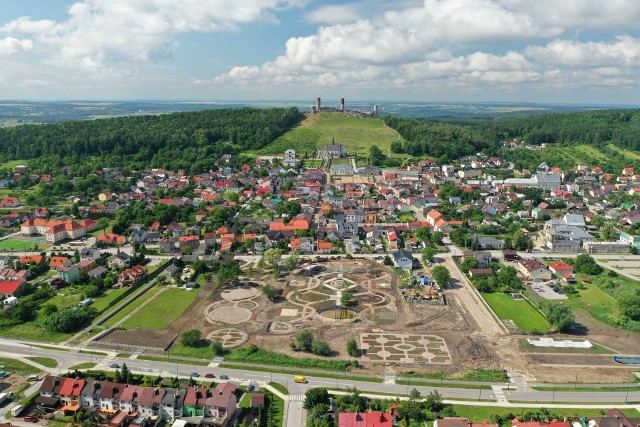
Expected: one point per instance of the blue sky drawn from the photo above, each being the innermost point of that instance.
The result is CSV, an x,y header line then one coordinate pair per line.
x,y
583,51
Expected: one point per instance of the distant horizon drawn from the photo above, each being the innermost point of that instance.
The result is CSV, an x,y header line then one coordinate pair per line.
x,y
312,101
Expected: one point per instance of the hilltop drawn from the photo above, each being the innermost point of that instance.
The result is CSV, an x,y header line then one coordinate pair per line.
x,y
317,130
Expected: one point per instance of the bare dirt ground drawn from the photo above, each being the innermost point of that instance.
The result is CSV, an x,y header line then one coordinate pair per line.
x,y
472,335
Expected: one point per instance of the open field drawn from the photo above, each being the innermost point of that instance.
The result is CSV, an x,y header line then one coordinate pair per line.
x,y
163,310
13,365
521,312
320,129
17,245
33,331
132,306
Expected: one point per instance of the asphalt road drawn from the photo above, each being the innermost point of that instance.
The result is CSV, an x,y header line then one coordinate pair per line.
x,y
70,358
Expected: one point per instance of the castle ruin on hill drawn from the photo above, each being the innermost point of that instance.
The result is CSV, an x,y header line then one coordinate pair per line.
x,y
355,113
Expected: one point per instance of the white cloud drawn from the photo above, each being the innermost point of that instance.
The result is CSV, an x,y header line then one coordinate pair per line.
x,y
334,14
420,44
12,45
624,51
110,34
613,15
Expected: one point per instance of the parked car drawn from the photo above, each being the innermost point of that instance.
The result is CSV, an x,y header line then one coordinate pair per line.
x,y
195,374
209,375
223,377
115,366
31,418
251,387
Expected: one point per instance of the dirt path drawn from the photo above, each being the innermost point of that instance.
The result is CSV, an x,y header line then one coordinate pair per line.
x,y
471,302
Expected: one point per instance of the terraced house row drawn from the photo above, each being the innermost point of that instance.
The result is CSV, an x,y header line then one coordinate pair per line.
x,y
125,404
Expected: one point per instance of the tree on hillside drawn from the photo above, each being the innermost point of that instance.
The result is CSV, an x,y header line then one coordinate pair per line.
x,y
376,156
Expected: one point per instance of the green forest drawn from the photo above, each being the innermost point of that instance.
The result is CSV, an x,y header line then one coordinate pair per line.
x,y
179,140
612,132
193,140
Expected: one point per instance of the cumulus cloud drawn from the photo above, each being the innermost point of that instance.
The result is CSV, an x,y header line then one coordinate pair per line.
x,y
423,43
334,14
12,45
624,51
110,33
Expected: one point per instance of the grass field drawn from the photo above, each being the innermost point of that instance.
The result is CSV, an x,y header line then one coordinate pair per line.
x,y
102,302
521,312
320,129
13,365
478,414
86,365
33,331
17,245
45,361
163,310
624,152
132,306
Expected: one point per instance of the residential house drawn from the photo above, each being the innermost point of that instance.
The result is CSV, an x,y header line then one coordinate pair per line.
x,y
57,262
90,253
402,260
167,245
69,274
484,258
533,270
560,268
86,266
97,273
70,392
132,276
365,419
119,260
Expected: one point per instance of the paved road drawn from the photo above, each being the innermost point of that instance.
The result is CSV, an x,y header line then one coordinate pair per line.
x,y
69,358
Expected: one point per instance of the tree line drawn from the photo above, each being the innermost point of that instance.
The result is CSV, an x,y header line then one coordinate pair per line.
x,y
190,140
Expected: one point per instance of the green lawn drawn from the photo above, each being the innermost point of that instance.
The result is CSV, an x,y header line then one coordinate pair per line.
x,y
406,217
320,129
521,312
13,365
477,414
86,365
163,310
17,245
45,361
131,306
33,331
103,302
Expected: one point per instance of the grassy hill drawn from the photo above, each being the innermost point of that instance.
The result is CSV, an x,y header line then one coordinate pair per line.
x,y
318,130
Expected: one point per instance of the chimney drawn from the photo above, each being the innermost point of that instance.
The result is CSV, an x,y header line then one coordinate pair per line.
x,y
318,104
342,104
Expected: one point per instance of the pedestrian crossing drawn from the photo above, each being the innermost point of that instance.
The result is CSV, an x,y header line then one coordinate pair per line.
x,y
499,394
296,397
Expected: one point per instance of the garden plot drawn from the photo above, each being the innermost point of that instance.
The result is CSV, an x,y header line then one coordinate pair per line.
x,y
401,348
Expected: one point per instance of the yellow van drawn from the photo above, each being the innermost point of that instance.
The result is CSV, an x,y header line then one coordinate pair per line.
x,y
300,379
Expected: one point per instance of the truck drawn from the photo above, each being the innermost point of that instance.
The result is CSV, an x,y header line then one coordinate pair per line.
x,y
3,397
33,377
300,379
17,410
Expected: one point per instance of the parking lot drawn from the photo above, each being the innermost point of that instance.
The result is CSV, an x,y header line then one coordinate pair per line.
x,y
545,291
